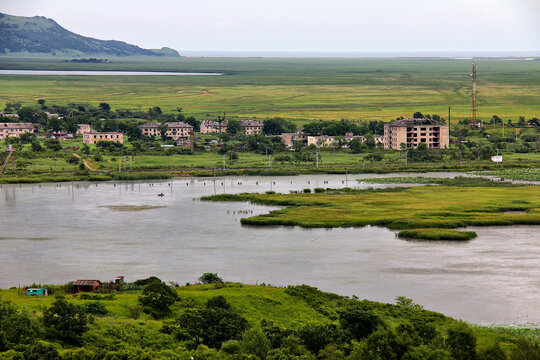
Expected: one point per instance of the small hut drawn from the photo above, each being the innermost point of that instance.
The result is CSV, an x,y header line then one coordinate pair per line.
x,y
86,286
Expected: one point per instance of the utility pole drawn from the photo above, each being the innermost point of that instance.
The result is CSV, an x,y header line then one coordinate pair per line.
x,y
317,159
503,128
270,161
474,108
130,163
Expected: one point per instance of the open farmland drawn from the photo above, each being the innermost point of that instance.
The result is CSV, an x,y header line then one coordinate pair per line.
x,y
297,89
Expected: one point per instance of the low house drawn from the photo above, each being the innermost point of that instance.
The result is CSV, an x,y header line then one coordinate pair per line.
x,y
15,129
83,128
94,137
16,116
213,127
319,141
290,138
51,115
86,286
37,292
119,279
175,130
379,139
251,127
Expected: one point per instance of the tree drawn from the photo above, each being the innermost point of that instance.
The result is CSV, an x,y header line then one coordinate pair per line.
x,y
214,324
193,122
277,126
255,342
36,146
163,128
418,115
154,111
52,144
64,321
317,337
55,124
105,106
233,126
492,352
42,351
210,278
12,107
358,322
406,302
461,342
156,299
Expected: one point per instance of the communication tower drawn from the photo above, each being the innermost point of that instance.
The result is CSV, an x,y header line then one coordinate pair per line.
x,y
474,109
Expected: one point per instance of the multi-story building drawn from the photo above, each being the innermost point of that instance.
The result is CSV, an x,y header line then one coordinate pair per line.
x,y
15,129
94,137
412,132
212,127
83,128
175,130
251,127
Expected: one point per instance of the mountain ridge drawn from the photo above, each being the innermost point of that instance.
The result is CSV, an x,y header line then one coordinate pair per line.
x,y
41,36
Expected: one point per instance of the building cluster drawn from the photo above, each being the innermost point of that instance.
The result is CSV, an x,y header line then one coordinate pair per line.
x,y
412,132
324,140
249,127
175,130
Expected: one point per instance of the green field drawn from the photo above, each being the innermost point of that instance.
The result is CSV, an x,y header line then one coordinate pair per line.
x,y
298,89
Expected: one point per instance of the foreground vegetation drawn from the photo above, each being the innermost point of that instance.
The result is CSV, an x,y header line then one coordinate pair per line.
x,y
460,202
149,319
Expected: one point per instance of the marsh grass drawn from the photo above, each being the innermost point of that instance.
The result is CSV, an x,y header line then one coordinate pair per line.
x,y
437,234
132,207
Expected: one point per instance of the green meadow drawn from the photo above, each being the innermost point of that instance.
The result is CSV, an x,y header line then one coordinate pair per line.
x,y
297,89
461,203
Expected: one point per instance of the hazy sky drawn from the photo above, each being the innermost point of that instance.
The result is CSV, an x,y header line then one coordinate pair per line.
x,y
300,25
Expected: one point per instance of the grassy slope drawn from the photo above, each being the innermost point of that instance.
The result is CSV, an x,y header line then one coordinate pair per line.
x,y
300,89
287,309
418,207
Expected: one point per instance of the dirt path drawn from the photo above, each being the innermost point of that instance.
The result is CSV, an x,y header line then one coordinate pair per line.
x,y
85,162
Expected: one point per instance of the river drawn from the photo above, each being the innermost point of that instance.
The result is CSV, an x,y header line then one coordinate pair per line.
x,y
55,233
100,73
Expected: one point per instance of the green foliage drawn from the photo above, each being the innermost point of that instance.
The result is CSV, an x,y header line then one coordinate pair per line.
x,y
156,299
210,278
216,323
526,350
461,342
95,308
65,321
358,322
255,342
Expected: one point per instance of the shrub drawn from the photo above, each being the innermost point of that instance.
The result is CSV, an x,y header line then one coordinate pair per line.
x,y
210,278
65,321
95,308
319,190
358,322
156,299
307,191
461,342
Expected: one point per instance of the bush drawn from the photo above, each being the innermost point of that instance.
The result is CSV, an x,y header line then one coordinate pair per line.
x,y
72,159
461,342
65,321
307,191
156,299
210,278
95,308
358,322
319,190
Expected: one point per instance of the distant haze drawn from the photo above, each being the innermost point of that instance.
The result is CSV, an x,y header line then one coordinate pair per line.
x,y
300,26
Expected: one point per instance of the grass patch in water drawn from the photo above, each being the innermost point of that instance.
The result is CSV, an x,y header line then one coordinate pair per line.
x,y
436,234
132,207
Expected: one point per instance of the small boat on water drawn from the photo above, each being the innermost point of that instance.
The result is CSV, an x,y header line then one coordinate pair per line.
x,y
161,194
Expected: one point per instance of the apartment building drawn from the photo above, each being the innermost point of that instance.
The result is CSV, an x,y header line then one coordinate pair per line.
x,y
412,132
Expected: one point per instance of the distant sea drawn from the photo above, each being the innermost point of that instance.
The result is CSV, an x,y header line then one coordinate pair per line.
x,y
358,54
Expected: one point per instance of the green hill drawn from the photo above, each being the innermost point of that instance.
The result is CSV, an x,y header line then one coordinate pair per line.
x,y
40,36
236,321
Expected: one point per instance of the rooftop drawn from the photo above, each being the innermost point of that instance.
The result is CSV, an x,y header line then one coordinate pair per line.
x,y
16,126
416,122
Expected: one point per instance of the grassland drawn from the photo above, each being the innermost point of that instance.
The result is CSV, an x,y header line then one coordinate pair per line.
x,y
297,89
441,207
120,332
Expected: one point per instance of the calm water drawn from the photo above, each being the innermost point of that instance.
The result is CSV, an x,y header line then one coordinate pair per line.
x,y
54,233
100,73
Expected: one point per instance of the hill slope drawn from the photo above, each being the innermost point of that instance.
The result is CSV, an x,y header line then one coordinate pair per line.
x,y
42,36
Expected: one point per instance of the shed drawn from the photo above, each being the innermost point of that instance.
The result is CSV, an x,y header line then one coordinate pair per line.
x,y
86,285
37,292
119,280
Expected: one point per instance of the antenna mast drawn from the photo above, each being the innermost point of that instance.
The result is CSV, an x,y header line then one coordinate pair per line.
x,y
474,105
